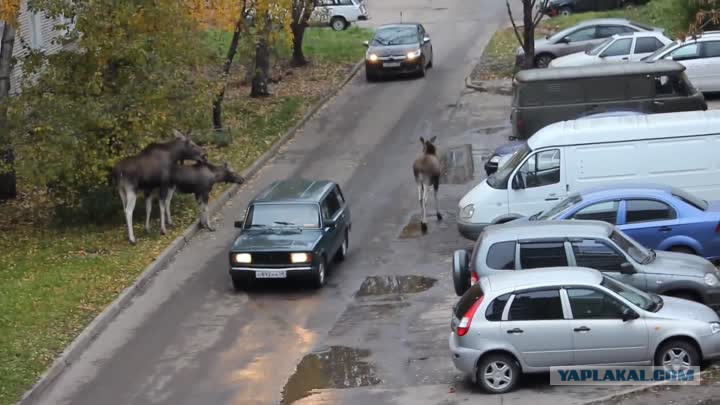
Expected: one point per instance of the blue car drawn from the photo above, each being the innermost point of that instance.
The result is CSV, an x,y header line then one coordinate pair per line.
x,y
658,216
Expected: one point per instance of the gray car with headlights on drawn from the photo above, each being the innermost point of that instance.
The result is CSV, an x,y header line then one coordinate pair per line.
x,y
398,49
525,322
521,245
292,229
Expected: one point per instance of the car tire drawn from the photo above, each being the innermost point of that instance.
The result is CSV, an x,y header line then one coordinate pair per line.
x,y
320,274
677,353
432,59
500,367
423,67
565,11
370,77
344,248
242,283
338,24
682,249
543,60
686,295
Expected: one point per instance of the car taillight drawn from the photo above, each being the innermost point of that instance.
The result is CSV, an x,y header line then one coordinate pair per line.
x,y
464,325
473,278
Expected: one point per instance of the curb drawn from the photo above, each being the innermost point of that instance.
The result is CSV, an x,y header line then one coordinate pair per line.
x,y
639,389
88,335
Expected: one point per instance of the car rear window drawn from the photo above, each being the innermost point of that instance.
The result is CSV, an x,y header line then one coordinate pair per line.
x,y
501,256
643,26
467,300
495,309
702,205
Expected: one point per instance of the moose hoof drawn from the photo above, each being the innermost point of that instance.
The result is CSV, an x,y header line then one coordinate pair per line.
x,y
423,227
132,241
163,231
439,217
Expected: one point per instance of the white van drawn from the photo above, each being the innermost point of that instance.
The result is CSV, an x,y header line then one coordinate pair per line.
x,y
679,149
338,14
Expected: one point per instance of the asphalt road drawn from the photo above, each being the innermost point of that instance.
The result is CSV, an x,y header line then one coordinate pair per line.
x,y
189,339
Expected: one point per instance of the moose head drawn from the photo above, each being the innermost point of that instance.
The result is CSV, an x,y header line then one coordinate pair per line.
x,y
225,174
186,149
428,145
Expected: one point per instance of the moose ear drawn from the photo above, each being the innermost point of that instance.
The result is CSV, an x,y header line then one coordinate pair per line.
x,y
422,140
178,134
432,140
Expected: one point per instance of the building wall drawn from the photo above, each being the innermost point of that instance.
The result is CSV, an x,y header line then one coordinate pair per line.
x,y
35,31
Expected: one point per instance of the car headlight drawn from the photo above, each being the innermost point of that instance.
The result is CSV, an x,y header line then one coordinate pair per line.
x,y
495,159
243,258
715,327
299,257
414,54
372,57
711,280
467,211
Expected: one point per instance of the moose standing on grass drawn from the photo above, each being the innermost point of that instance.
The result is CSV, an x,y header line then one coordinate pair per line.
x,y
427,170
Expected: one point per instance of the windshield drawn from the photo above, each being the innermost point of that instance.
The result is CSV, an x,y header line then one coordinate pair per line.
x,y
560,34
396,36
655,54
597,49
632,294
702,205
500,178
560,207
637,252
305,216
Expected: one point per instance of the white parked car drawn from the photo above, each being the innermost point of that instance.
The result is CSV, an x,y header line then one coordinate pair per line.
x,y
618,48
700,56
338,13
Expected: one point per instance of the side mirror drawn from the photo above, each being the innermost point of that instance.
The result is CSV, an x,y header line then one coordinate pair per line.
x,y
563,41
628,315
239,224
366,43
460,272
426,40
516,183
627,268
329,223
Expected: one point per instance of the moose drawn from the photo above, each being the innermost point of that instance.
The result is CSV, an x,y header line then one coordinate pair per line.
x,y
199,179
150,170
427,170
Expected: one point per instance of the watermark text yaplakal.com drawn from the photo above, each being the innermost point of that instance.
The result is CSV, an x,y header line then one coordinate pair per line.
x,y
623,376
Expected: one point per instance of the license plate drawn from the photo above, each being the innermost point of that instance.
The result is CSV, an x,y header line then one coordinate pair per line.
x,y
270,274
391,64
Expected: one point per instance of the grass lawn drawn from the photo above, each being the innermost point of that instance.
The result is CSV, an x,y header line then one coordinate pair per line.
x,y
498,59
55,280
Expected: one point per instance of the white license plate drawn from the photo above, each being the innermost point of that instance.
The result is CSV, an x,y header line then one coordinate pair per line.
x,y
391,64
270,274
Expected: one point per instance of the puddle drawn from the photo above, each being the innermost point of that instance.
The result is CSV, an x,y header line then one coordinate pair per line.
x,y
386,285
412,229
337,367
457,165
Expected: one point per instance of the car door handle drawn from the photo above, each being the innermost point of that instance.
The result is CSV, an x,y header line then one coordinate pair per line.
x,y
514,331
625,58
552,198
664,229
582,329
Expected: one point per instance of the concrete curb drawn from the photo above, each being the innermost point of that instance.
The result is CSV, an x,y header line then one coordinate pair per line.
x,y
86,337
634,390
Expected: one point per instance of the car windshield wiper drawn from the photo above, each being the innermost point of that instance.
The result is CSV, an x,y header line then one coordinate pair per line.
x,y
284,223
535,216
651,257
258,226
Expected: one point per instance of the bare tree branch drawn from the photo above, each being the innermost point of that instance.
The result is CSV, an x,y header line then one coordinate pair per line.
x,y
512,21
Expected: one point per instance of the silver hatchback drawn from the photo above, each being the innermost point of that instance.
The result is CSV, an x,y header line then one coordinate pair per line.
x,y
525,322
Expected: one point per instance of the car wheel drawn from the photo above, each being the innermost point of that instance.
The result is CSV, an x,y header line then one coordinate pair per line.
x,y
565,11
338,24
318,280
423,67
497,373
432,59
543,60
371,77
242,283
343,251
682,249
677,355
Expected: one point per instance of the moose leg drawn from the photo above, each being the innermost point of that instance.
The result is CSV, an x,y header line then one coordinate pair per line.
x,y
169,197
206,214
148,210
423,203
163,199
129,208
123,197
436,185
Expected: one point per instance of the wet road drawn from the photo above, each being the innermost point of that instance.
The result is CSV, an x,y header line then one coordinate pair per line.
x,y
189,339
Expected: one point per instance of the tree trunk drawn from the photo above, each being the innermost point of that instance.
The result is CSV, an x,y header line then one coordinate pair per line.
x,y
528,35
262,63
298,57
8,186
217,103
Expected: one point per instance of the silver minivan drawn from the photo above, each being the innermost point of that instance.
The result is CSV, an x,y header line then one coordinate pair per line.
x,y
525,322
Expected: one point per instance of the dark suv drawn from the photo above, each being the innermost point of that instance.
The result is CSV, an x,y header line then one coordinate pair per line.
x,y
292,229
